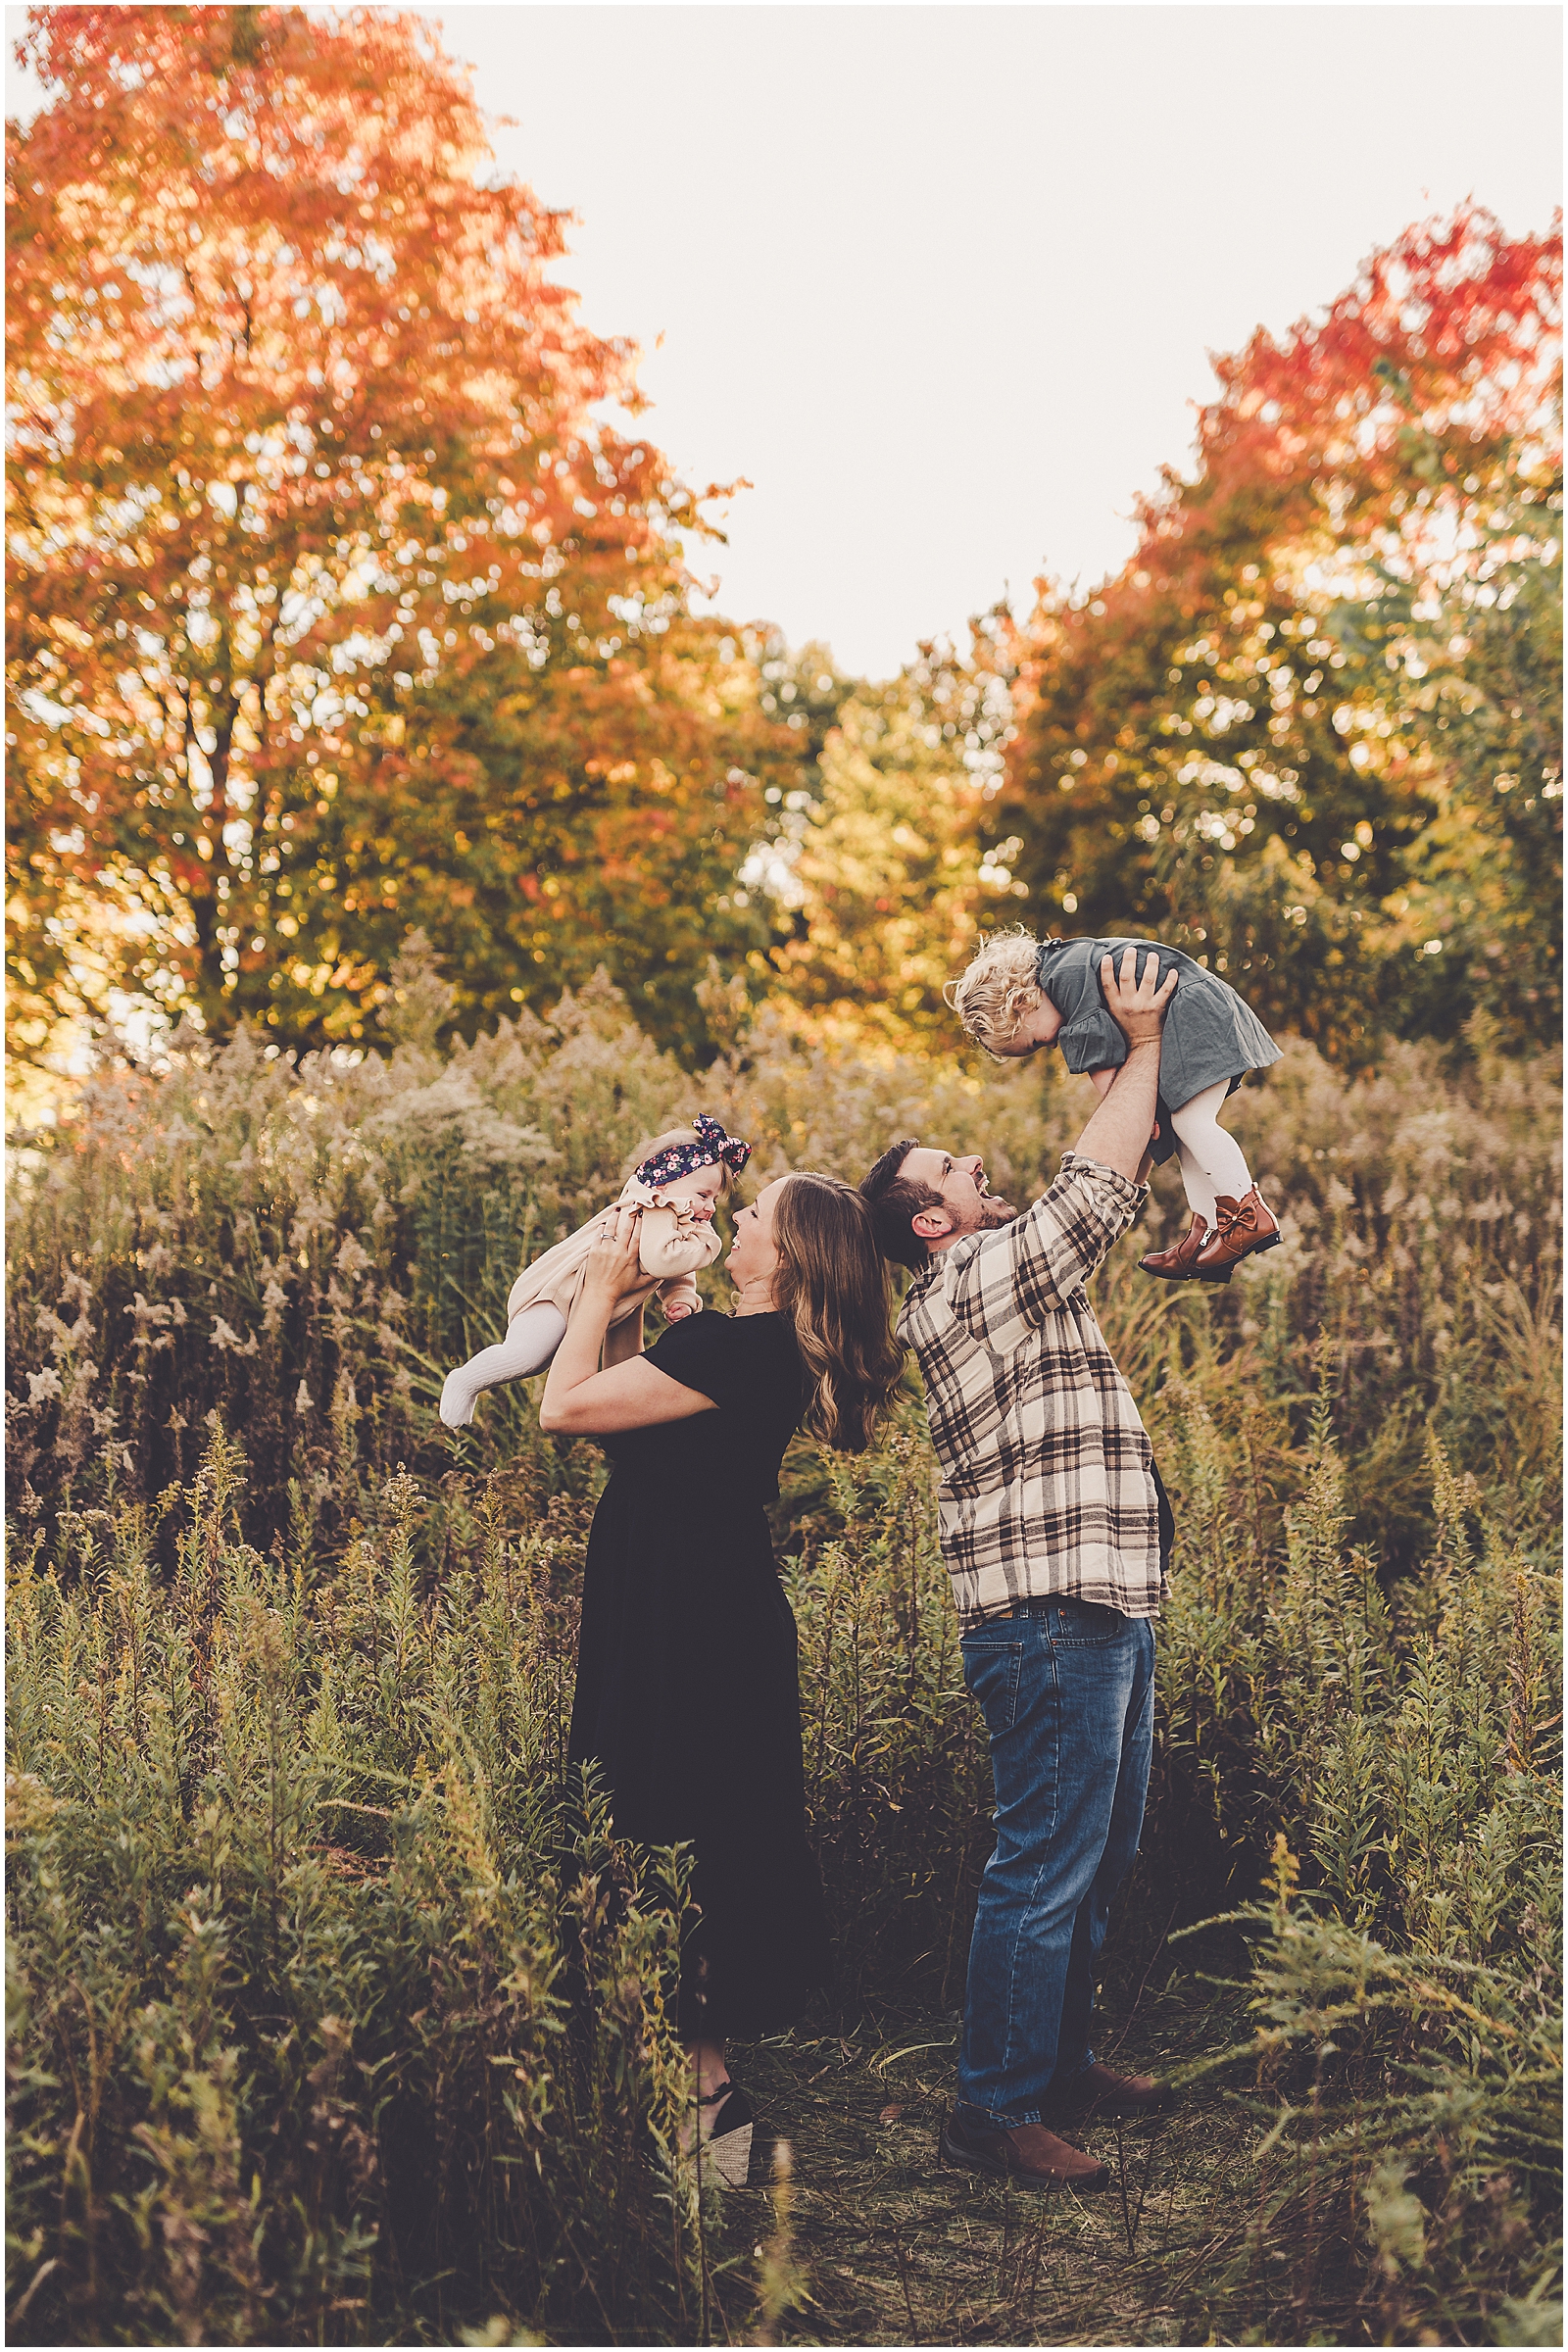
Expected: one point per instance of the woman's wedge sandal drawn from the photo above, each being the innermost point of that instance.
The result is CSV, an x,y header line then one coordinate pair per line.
x,y
724,2149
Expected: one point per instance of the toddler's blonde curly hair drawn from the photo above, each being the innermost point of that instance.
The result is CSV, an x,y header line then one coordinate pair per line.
x,y
992,994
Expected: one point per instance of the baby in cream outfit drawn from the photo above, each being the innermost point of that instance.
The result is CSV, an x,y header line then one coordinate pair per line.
x,y
675,1185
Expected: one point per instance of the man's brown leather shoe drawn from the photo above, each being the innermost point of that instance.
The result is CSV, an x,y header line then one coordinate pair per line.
x,y
1098,2092
1029,2156
1241,1229
1175,1264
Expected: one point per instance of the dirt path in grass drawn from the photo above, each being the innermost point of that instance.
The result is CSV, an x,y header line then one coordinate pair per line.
x,y
894,2247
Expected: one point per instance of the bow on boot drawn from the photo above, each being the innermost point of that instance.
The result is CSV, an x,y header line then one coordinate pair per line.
x,y
1241,1228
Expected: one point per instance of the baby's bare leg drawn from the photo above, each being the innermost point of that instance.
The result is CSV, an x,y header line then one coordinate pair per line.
x,y
532,1340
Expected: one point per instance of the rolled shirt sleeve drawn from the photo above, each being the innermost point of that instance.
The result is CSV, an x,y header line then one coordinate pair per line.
x,y
1000,1285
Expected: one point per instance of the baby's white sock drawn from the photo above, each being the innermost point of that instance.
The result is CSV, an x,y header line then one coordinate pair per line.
x,y
1212,1162
532,1340
1195,1185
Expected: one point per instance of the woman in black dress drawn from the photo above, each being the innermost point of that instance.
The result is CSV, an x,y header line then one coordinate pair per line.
x,y
688,1694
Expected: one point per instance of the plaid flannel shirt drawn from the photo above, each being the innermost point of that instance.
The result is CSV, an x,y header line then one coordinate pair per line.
x,y
1046,1481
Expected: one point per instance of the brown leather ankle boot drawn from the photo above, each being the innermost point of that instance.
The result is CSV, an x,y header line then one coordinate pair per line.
x,y
1175,1264
1026,2155
1098,2092
1241,1229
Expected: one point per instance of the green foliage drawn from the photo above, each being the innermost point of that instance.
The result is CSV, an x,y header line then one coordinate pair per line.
x,y
306,1246
1467,666
1413,2150
320,2007
1409,2000
876,861
330,2020
897,1770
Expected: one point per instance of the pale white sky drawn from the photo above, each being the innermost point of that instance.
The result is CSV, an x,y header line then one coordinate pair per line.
x,y
941,281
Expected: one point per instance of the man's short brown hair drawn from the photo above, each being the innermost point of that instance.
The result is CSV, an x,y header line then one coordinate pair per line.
x,y
895,1200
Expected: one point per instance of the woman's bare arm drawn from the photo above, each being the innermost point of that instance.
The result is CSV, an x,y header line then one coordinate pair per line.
x,y
581,1401
634,1396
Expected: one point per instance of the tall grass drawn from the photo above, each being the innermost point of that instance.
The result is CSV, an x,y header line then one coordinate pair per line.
x,y
1402,1747
331,2018
322,2012
305,1249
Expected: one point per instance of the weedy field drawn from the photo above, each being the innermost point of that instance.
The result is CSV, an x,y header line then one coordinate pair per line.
x,y
335,2017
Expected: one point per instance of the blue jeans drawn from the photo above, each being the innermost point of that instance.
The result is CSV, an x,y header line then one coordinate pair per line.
x,y
1067,1689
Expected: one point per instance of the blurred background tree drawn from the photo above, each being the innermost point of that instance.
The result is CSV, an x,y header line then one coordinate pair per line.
x,y
337,609
1326,686
334,605
876,856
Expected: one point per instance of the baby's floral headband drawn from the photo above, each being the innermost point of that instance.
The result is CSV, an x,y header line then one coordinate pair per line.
x,y
712,1148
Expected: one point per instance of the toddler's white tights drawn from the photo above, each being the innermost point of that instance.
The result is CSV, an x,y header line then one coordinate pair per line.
x,y
1211,1162
532,1340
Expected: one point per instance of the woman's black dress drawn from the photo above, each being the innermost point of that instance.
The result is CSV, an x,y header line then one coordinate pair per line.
x,y
688,1689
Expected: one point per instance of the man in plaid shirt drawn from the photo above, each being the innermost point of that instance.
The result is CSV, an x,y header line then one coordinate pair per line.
x,y
1052,1526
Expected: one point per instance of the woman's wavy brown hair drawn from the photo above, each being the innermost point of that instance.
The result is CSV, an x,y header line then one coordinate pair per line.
x,y
833,1286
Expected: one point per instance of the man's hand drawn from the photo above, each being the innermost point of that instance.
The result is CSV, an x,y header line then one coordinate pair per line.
x,y
1138,1008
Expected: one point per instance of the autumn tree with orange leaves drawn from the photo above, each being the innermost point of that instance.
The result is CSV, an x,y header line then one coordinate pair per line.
x,y
1314,729
335,610
332,609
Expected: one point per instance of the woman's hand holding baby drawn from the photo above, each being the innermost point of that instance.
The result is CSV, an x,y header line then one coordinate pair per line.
x,y
613,1273
613,1270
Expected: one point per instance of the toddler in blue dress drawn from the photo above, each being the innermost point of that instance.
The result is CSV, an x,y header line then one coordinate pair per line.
x,y
1020,994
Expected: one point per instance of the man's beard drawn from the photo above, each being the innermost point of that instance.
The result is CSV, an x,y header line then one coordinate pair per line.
x,y
992,1213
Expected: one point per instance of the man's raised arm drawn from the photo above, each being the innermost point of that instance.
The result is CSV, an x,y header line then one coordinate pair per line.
x,y
1117,1135
1032,1267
